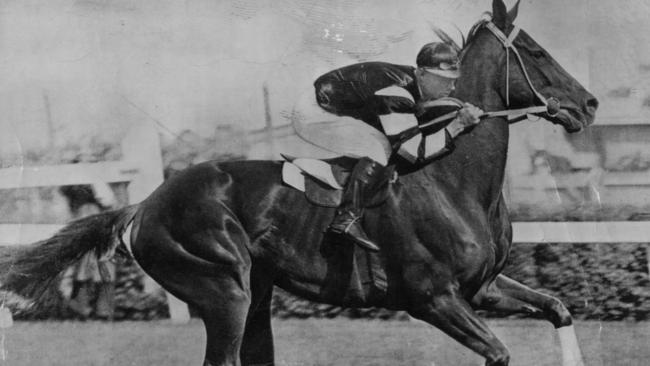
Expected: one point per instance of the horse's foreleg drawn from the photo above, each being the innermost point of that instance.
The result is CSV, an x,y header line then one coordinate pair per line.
x,y
454,316
508,295
257,347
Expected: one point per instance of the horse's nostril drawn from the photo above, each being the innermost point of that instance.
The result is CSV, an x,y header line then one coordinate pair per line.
x,y
592,103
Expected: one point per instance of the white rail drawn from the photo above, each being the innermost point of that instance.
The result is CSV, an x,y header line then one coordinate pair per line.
x,y
523,232
582,232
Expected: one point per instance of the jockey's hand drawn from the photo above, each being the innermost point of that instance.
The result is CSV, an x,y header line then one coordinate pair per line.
x,y
467,117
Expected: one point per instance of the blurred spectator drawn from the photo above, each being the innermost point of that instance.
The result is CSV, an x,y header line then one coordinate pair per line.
x,y
92,290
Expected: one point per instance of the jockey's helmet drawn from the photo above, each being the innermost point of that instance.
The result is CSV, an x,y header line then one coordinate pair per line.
x,y
439,58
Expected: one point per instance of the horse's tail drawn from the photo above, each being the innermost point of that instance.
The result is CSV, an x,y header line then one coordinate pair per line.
x,y
29,270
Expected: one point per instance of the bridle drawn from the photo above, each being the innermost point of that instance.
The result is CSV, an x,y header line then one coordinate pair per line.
x,y
550,106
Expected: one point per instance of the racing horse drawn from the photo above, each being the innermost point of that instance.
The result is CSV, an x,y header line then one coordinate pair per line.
x,y
220,235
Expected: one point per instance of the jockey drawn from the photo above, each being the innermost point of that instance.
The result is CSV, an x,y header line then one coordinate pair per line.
x,y
352,91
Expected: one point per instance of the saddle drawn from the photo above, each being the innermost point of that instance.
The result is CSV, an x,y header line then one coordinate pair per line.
x,y
323,180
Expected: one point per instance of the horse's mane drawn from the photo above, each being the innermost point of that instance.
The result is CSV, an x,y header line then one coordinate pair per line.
x,y
466,40
487,17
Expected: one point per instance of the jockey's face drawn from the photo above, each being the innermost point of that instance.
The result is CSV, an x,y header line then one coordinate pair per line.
x,y
434,86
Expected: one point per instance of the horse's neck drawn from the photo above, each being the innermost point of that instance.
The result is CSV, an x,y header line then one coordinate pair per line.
x,y
480,156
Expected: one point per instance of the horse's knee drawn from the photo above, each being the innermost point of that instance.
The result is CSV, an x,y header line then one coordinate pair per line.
x,y
486,297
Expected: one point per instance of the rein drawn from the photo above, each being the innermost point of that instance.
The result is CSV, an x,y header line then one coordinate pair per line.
x,y
550,106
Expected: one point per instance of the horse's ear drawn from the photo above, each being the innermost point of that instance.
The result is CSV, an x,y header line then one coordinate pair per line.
x,y
512,14
499,14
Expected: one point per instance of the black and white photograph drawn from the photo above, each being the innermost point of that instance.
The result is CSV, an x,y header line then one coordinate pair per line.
x,y
324,182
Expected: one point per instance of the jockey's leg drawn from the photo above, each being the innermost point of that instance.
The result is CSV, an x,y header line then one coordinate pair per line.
x,y
365,177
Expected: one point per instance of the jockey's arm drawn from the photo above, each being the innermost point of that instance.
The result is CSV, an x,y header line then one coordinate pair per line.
x,y
370,88
438,146
387,104
442,144
454,129
349,98
395,99
468,116
419,147
438,141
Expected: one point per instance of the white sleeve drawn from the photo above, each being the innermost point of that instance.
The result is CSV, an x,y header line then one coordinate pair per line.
x,y
395,123
409,148
435,143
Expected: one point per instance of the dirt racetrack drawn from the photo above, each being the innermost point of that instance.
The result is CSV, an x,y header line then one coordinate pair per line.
x,y
316,342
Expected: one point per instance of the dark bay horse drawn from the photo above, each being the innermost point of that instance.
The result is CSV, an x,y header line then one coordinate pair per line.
x,y
220,235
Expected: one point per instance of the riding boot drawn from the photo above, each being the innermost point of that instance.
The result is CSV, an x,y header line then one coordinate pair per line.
x,y
365,176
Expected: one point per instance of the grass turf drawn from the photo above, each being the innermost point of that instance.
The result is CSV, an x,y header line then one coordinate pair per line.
x,y
316,342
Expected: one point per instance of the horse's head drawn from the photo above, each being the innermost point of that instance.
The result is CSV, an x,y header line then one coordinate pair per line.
x,y
524,74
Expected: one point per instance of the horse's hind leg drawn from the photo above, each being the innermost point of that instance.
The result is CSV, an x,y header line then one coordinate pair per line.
x,y
207,267
453,315
508,295
257,347
222,305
